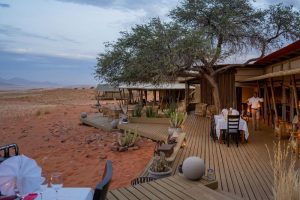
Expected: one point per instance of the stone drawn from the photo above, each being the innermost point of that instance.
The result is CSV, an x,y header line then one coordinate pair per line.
x,y
114,148
135,147
114,123
121,149
193,168
83,115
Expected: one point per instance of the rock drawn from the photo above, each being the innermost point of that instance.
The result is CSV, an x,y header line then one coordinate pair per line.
x,y
130,148
123,149
114,148
114,123
103,156
83,115
135,147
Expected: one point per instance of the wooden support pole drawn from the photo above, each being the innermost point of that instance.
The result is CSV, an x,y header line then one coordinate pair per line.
x,y
270,116
292,104
265,101
273,100
295,95
283,102
146,96
186,96
154,96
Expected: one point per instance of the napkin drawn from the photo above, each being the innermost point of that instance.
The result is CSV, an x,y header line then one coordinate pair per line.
x,y
19,172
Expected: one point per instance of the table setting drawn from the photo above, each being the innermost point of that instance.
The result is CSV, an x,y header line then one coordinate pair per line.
x,y
221,122
21,178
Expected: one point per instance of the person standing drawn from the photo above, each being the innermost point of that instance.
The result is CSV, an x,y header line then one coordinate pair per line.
x,y
255,108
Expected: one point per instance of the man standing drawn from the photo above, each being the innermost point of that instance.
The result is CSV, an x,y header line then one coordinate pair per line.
x,y
255,106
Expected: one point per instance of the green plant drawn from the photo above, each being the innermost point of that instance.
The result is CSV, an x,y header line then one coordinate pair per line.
x,y
171,109
128,139
159,163
177,119
150,112
137,111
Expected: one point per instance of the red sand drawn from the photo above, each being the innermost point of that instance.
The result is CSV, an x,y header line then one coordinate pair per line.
x,y
45,124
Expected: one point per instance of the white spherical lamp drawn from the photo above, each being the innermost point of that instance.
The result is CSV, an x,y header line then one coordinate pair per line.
x,y
193,168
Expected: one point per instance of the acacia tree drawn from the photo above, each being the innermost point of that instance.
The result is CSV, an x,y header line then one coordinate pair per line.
x,y
202,34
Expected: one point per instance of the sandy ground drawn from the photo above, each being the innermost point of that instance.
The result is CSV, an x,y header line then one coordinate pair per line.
x,y
45,124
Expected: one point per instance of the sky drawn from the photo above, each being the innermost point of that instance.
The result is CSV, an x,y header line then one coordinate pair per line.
x,y
59,40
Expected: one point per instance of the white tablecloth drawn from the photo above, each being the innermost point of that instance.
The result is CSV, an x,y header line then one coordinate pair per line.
x,y
68,194
222,124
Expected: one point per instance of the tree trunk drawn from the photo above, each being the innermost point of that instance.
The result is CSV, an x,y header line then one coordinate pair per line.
x,y
215,91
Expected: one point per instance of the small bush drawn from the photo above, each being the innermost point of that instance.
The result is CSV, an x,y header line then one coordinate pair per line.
x,y
137,111
150,112
38,113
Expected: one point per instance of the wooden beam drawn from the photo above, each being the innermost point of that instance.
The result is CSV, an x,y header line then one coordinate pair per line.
x,y
154,96
186,95
273,100
295,95
265,101
283,102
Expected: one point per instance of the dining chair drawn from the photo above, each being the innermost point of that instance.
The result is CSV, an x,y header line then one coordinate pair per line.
x,y
142,179
233,122
102,187
6,151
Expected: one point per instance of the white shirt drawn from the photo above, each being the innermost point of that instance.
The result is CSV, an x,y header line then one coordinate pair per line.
x,y
254,102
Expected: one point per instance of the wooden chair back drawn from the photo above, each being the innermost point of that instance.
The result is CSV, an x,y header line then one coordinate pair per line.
x,y
6,149
102,187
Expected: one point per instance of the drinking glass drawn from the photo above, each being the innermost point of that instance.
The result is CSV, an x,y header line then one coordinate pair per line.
x,y
56,182
44,184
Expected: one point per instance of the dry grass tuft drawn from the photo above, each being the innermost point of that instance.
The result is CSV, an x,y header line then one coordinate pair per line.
x,y
286,177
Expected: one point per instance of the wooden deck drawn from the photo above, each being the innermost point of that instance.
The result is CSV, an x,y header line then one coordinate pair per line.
x,y
97,120
156,132
242,171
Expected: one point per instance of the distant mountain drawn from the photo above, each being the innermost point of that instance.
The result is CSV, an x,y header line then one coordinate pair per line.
x,y
20,83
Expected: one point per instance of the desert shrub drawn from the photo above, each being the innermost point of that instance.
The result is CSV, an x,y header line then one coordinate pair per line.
x,y
150,112
286,177
137,110
38,113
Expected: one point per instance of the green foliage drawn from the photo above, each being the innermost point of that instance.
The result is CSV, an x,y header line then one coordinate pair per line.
x,y
159,163
176,119
201,31
150,112
137,110
171,109
128,139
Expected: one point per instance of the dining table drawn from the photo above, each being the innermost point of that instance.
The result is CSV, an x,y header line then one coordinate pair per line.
x,y
221,124
68,193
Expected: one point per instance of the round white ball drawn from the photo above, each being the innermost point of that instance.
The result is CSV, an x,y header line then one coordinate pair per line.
x,y
193,168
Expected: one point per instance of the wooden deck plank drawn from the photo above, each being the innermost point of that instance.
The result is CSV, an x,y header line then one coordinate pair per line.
x,y
147,193
119,195
110,196
242,171
128,194
137,193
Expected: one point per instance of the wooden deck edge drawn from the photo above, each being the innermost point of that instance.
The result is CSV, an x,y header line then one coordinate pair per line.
x,y
180,140
147,120
102,127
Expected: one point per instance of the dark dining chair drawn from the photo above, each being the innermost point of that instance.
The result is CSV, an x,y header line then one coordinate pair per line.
x,y
142,179
233,131
102,187
6,151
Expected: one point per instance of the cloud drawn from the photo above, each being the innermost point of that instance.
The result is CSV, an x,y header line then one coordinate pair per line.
x,y
11,31
152,8
4,5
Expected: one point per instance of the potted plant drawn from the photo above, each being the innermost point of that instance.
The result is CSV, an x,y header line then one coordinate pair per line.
x,y
176,121
159,167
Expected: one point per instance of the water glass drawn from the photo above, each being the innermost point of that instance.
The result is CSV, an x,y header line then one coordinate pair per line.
x,y
211,174
56,182
44,184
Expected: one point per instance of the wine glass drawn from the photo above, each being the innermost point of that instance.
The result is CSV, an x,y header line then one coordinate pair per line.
x,y
44,184
56,182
